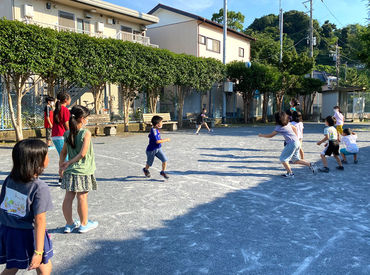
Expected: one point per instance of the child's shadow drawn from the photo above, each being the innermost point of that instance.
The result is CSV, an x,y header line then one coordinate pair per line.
x,y
58,230
140,178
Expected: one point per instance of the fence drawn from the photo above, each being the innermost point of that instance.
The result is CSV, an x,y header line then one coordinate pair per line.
x,y
32,108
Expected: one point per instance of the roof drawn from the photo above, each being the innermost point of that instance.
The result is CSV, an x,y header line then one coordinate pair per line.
x,y
196,17
151,19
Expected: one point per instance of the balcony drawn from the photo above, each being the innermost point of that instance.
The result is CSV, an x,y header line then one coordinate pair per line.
x,y
121,35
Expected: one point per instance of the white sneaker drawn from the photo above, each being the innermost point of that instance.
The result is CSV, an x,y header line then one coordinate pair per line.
x,y
288,176
313,168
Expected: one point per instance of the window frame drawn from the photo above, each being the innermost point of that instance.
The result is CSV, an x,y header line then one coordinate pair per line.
x,y
241,55
213,40
200,37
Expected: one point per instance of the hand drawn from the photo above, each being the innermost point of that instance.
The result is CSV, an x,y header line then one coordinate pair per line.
x,y
64,165
260,135
318,143
51,125
167,139
35,262
325,144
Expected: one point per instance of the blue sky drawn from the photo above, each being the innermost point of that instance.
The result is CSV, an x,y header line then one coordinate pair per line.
x,y
346,11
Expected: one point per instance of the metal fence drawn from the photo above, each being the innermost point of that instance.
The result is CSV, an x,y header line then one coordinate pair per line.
x,y
32,108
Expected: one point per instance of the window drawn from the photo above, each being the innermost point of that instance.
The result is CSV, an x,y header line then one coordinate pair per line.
x,y
213,45
126,29
83,26
66,20
202,39
241,52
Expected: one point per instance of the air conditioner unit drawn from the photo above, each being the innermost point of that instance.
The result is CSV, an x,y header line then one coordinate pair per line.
x,y
88,15
100,27
28,11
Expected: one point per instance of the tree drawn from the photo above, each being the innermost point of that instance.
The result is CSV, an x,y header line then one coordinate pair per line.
x,y
160,68
235,20
308,89
25,52
364,54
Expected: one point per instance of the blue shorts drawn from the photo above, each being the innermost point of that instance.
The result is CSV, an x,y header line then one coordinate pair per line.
x,y
345,152
155,153
59,143
17,247
290,152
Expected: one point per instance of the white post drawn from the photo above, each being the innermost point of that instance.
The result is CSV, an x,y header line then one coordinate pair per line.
x,y
224,61
281,27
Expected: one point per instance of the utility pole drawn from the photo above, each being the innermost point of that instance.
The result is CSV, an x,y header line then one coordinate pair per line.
x,y
224,61
311,33
281,26
337,63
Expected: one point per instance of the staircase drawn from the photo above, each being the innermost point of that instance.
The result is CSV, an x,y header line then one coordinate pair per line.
x,y
76,93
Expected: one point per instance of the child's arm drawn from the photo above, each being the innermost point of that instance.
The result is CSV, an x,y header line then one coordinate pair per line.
x,y
40,226
81,154
62,158
274,133
162,140
51,124
323,140
295,130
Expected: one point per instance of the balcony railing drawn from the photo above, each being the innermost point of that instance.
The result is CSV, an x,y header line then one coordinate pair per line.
x,y
125,36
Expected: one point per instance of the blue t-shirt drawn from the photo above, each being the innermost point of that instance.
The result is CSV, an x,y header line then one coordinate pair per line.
x,y
287,132
21,202
154,135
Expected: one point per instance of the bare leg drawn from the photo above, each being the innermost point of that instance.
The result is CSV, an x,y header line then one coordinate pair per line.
x,y
338,160
302,162
67,206
287,167
205,124
10,271
301,153
82,207
324,161
164,165
355,157
147,167
343,157
45,269
200,126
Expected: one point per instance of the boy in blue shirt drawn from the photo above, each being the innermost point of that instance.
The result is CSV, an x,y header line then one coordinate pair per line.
x,y
154,147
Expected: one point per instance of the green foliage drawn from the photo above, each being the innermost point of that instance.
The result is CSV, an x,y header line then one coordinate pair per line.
x,y
235,20
364,41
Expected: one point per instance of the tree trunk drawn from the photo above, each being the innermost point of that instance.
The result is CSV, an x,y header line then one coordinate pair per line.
x,y
180,100
153,100
265,103
16,120
51,84
279,100
247,101
127,99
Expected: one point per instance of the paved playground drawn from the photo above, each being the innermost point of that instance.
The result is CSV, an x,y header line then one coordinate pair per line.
x,y
224,210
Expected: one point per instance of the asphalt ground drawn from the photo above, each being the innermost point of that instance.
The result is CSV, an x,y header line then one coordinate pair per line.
x,y
224,210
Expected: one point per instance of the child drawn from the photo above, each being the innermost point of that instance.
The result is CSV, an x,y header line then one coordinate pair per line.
x,y
294,103
25,199
339,120
48,118
201,120
297,122
154,148
61,120
332,147
291,150
349,139
78,171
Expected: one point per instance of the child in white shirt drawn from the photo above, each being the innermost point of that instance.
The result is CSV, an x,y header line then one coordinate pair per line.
x,y
349,140
297,122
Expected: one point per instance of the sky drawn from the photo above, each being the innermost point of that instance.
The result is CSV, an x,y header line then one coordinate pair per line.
x,y
345,11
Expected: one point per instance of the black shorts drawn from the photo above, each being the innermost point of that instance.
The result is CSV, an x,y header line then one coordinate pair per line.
x,y
332,148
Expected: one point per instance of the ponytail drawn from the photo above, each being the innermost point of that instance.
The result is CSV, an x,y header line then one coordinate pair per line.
x,y
62,97
77,113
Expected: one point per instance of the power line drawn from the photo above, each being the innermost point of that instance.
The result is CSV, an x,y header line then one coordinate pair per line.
x,y
331,13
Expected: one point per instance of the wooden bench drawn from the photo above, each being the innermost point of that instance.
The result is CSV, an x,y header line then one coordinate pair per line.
x,y
147,119
110,129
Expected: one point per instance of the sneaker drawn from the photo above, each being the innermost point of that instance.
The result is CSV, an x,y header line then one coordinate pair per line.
x,y
355,161
324,169
288,176
313,168
344,161
89,226
146,173
60,181
163,174
340,167
70,227
197,134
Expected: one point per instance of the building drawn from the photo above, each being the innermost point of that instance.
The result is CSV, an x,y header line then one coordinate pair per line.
x,y
183,32
94,17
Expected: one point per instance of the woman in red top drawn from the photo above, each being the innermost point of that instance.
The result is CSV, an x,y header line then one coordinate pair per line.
x,y
61,120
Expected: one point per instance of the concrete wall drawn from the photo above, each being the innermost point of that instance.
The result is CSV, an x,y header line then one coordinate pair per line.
x,y
6,9
179,38
329,100
233,43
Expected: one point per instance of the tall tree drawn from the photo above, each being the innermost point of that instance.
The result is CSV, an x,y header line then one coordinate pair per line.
x,y
235,20
25,52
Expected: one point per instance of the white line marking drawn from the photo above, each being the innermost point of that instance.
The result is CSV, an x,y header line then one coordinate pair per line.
x,y
307,262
